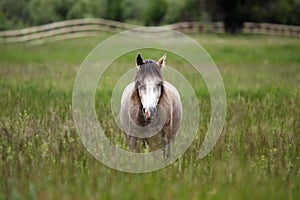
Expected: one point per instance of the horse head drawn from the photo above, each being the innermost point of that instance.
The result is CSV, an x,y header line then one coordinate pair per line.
x,y
149,84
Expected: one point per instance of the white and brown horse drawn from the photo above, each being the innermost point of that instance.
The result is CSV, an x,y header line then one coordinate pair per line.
x,y
151,109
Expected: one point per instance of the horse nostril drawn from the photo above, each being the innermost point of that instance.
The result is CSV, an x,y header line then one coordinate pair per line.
x,y
152,110
155,109
144,110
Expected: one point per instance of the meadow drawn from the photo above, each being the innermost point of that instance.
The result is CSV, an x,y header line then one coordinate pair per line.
x,y
256,157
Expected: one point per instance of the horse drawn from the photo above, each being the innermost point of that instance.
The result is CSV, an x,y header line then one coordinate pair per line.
x,y
151,109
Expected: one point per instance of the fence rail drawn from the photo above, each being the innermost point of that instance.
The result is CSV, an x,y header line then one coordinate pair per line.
x,y
87,27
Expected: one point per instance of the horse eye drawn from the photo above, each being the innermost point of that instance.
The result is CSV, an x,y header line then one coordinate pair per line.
x,y
137,84
141,87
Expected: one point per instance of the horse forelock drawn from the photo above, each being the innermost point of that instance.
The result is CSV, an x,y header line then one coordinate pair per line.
x,y
148,69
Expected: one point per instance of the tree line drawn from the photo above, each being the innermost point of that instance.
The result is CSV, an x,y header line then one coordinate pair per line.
x,y
23,13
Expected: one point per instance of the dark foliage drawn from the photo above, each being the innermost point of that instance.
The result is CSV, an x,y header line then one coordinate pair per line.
x,y
23,13
155,12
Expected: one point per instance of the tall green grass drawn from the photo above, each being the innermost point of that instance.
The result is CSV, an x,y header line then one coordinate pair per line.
x,y
257,156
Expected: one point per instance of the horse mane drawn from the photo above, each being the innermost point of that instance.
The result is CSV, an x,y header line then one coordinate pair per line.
x,y
135,109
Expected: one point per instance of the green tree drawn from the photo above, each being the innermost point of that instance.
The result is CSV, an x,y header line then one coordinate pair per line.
x,y
43,11
87,8
134,10
14,13
155,12
283,11
234,13
115,10
192,11
294,16
62,7
175,11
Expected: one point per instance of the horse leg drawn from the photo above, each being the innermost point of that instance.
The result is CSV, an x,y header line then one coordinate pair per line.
x,y
154,142
168,138
132,142
166,147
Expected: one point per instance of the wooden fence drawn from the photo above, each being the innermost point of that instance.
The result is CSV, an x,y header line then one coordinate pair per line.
x,y
91,27
271,29
248,27
63,30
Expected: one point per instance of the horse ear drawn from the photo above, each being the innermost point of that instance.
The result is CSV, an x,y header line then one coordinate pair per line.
x,y
161,62
139,60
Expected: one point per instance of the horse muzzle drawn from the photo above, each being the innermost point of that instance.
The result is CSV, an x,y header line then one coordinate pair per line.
x,y
149,113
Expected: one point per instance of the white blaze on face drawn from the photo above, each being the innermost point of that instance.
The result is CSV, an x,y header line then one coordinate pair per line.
x,y
149,94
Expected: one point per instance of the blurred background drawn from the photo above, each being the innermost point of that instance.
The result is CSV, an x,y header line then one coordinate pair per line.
x,y
258,153
25,13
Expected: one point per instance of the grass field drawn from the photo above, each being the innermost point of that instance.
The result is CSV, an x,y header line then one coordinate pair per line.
x,y
257,156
